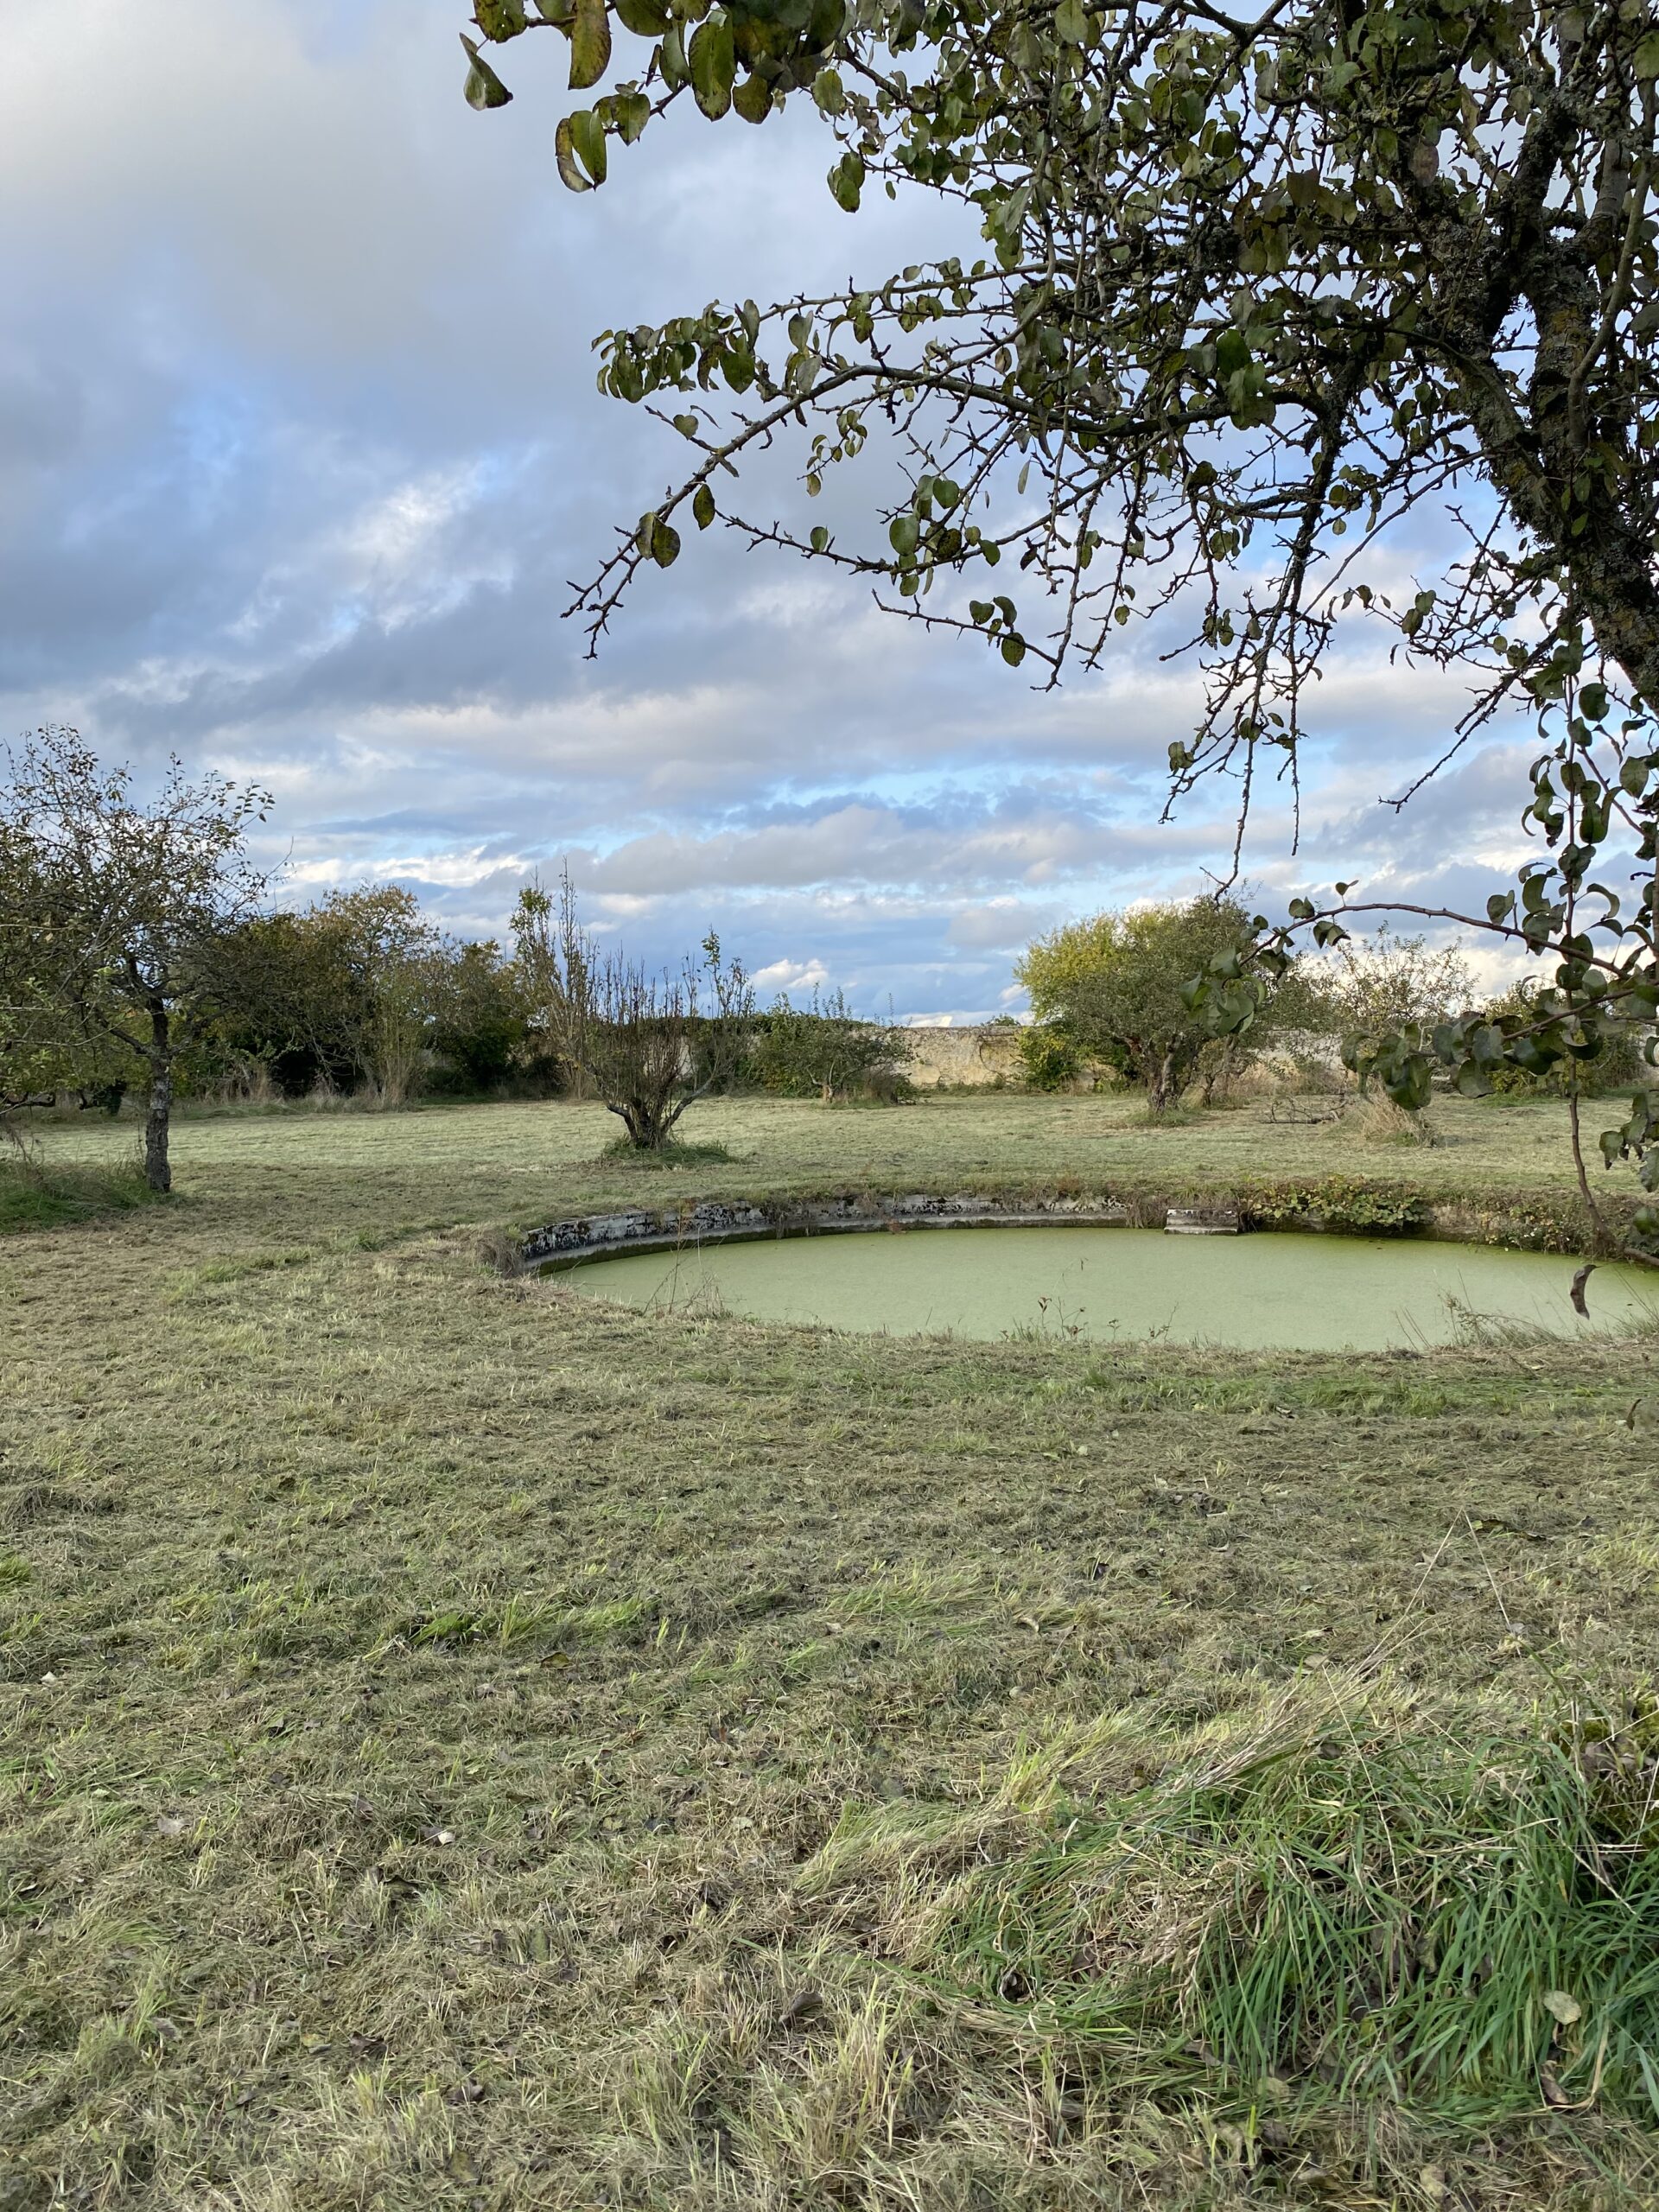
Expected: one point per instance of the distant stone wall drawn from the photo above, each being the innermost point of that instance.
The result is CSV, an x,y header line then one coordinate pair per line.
x,y
945,1059
988,1052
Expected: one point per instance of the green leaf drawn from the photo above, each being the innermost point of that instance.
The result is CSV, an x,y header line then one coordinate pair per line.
x,y
828,92
820,538
483,88
664,543
1014,651
500,19
564,154
847,183
676,70
753,100
713,61
626,114
590,44
1071,23
981,610
643,17
1232,353
1647,56
902,533
687,425
703,507
1410,1083
587,136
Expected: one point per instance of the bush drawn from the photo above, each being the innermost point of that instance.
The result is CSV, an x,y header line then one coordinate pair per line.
x,y
1050,1057
823,1051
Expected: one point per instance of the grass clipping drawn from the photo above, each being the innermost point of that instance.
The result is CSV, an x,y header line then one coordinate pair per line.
x,y
1341,1908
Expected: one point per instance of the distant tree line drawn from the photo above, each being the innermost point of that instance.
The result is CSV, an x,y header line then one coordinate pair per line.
x,y
142,954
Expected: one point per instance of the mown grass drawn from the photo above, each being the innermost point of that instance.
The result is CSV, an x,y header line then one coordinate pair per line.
x,y
469,1744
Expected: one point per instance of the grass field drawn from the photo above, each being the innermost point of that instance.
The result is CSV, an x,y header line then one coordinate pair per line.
x,y
470,1745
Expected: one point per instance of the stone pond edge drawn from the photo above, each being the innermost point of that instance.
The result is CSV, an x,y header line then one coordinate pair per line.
x,y
1340,1205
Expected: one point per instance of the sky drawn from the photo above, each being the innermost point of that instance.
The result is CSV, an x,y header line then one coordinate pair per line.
x,y
300,449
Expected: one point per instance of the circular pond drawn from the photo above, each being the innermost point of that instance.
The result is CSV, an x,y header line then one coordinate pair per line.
x,y
1290,1293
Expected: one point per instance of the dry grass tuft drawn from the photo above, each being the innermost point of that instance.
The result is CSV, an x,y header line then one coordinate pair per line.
x,y
1376,1120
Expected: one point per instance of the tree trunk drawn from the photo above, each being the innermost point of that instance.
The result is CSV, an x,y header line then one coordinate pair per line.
x,y
1220,1072
158,1171
643,1119
1161,1089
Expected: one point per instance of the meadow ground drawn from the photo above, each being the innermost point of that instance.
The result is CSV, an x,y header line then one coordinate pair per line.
x,y
467,1744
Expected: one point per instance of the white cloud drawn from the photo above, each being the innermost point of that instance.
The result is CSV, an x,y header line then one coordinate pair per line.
x,y
800,976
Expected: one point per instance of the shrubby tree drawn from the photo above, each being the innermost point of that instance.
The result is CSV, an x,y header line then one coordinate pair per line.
x,y
647,1045
394,958
1260,287
1376,984
1049,1056
1118,987
292,1007
122,908
42,1048
551,952
1369,991
822,1050
1620,1064
480,1030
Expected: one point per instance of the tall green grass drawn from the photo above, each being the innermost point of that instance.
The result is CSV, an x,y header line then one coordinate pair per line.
x,y
1471,1929
33,1196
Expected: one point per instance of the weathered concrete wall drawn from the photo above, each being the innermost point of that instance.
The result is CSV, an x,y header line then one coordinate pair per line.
x,y
564,1243
968,1057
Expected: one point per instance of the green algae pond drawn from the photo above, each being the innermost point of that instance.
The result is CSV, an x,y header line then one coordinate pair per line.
x,y
1295,1292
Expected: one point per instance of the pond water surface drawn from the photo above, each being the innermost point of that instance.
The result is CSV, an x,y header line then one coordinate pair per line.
x,y
1298,1292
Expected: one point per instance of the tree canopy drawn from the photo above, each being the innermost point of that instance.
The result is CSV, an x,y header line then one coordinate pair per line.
x,y
1260,287
1119,986
1253,280
114,911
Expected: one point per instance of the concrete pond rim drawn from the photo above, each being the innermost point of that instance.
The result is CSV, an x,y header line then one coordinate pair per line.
x,y
580,1239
